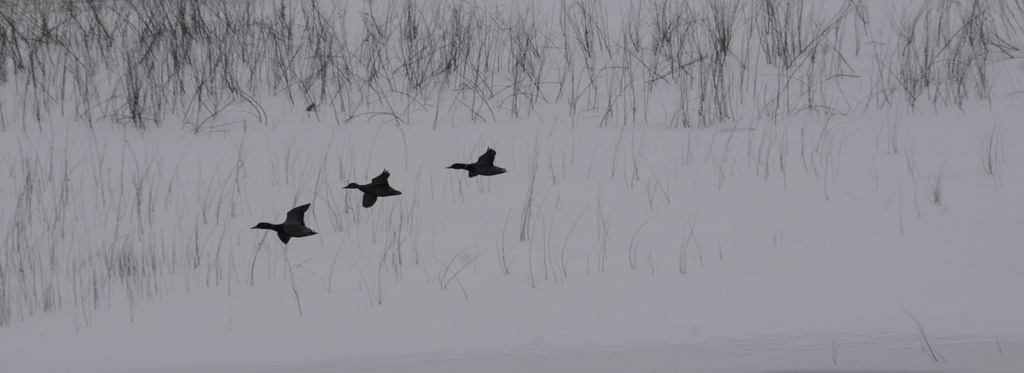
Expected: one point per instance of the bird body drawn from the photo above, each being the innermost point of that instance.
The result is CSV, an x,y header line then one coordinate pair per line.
x,y
378,187
483,166
294,225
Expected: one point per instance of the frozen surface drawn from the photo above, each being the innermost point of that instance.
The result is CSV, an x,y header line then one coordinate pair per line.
x,y
803,243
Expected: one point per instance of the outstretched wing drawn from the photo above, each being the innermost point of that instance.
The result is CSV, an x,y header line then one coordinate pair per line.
x,y
487,159
284,237
369,200
382,178
297,216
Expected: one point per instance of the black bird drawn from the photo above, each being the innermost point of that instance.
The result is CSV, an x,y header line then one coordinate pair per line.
x,y
294,225
483,166
378,187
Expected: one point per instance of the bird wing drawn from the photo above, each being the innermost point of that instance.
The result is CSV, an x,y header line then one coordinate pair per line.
x,y
382,178
284,237
297,216
487,159
369,200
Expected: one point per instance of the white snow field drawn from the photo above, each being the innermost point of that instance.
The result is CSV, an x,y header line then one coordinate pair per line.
x,y
692,187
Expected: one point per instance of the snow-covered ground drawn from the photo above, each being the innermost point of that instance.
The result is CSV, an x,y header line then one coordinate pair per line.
x,y
870,236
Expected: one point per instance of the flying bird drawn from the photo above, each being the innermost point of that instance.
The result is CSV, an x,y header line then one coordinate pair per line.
x,y
378,187
483,166
294,225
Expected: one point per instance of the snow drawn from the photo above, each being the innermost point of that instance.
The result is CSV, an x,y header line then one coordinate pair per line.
x,y
801,244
